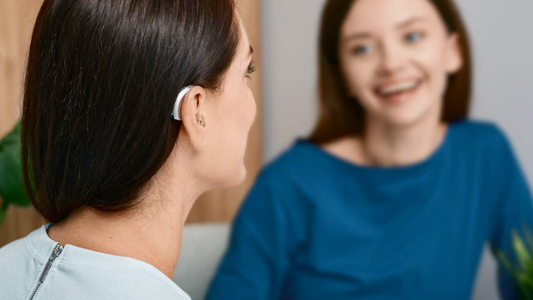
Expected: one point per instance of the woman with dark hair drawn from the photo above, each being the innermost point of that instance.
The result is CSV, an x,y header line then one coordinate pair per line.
x,y
132,109
395,193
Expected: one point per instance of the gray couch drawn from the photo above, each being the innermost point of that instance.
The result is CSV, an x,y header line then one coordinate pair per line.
x,y
201,250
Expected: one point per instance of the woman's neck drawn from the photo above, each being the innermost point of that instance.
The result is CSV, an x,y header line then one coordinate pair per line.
x,y
386,145
151,233
391,146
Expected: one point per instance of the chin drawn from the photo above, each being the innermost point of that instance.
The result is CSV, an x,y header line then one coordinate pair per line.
x,y
403,121
406,117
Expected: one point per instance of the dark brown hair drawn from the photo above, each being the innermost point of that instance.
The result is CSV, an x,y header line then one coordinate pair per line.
x,y
101,81
341,115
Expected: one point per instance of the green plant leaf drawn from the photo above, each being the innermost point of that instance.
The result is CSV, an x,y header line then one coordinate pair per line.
x,y
12,189
523,255
526,281
526,286
522,270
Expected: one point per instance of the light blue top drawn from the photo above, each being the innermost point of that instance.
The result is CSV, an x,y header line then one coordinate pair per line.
x,y
77,273
318,227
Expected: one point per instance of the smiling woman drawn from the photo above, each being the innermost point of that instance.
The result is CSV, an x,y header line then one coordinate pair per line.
x,y
395,193
351,37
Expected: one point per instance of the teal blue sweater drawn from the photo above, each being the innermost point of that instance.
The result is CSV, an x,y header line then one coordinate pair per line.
x,y
317,227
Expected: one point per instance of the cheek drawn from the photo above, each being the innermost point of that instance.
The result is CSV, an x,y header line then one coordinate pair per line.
x,y
252,111
433,59
437,78
243,111
432,63
359,76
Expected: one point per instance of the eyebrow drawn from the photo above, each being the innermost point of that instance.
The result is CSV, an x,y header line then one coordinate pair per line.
x,y
357,36
366,35
251,51
411,21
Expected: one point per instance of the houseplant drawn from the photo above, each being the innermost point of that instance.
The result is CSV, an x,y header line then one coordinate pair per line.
x,y
522,271
12,191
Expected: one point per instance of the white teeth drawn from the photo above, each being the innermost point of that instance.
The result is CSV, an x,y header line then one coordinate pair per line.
x,y
397,88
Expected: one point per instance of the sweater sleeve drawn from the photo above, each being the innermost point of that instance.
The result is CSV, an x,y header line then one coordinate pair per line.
x,y
263,236
513,210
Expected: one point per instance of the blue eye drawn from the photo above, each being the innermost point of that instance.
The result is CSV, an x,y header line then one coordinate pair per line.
x,y
413,37
361,50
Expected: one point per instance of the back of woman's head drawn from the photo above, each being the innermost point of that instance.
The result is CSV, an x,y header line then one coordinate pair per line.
x,y
342,115
101,81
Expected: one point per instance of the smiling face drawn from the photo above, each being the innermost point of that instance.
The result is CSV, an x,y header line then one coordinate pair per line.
x,y
396,56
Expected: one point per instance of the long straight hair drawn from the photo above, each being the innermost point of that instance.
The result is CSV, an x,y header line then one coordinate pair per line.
x,y
341,115
101,80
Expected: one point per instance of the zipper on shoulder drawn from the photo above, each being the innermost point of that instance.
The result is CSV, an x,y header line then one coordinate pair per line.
x,y
55,254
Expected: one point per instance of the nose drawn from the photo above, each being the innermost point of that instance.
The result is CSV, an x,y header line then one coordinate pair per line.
x,y
392,59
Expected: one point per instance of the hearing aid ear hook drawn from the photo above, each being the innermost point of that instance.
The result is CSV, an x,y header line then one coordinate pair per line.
x,y
176,114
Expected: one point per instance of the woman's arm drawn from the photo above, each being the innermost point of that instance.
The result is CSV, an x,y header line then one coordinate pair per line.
x,y
264,234
513,211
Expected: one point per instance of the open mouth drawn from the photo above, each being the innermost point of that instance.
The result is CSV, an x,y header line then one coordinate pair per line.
x,y
398,92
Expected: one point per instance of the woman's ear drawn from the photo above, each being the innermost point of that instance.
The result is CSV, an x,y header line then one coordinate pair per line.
x,y
454,57
194,117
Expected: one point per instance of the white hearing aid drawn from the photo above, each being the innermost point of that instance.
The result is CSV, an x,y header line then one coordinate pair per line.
x,y
176,113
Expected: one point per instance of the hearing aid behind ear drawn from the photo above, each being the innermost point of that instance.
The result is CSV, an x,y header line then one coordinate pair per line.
x,y
176,113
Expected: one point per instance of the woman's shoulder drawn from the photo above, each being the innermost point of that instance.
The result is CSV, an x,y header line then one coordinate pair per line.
x,y
478,135
484,144
124,277
84,274
18,252
12,250
18,270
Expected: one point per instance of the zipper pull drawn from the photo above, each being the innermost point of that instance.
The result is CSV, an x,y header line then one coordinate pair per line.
x,y
55,254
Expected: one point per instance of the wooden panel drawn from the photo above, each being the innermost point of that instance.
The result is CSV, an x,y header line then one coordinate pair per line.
x,y
16,23
19,223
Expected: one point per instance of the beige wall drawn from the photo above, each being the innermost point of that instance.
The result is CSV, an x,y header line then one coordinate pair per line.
x,y
16,23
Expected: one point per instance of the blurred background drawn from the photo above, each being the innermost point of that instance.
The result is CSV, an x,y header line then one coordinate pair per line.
x,y
285,36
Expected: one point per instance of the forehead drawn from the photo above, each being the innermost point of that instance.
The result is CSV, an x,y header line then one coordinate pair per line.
x,y
373,15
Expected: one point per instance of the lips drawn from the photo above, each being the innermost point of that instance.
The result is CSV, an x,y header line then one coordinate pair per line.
x,y
399,91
